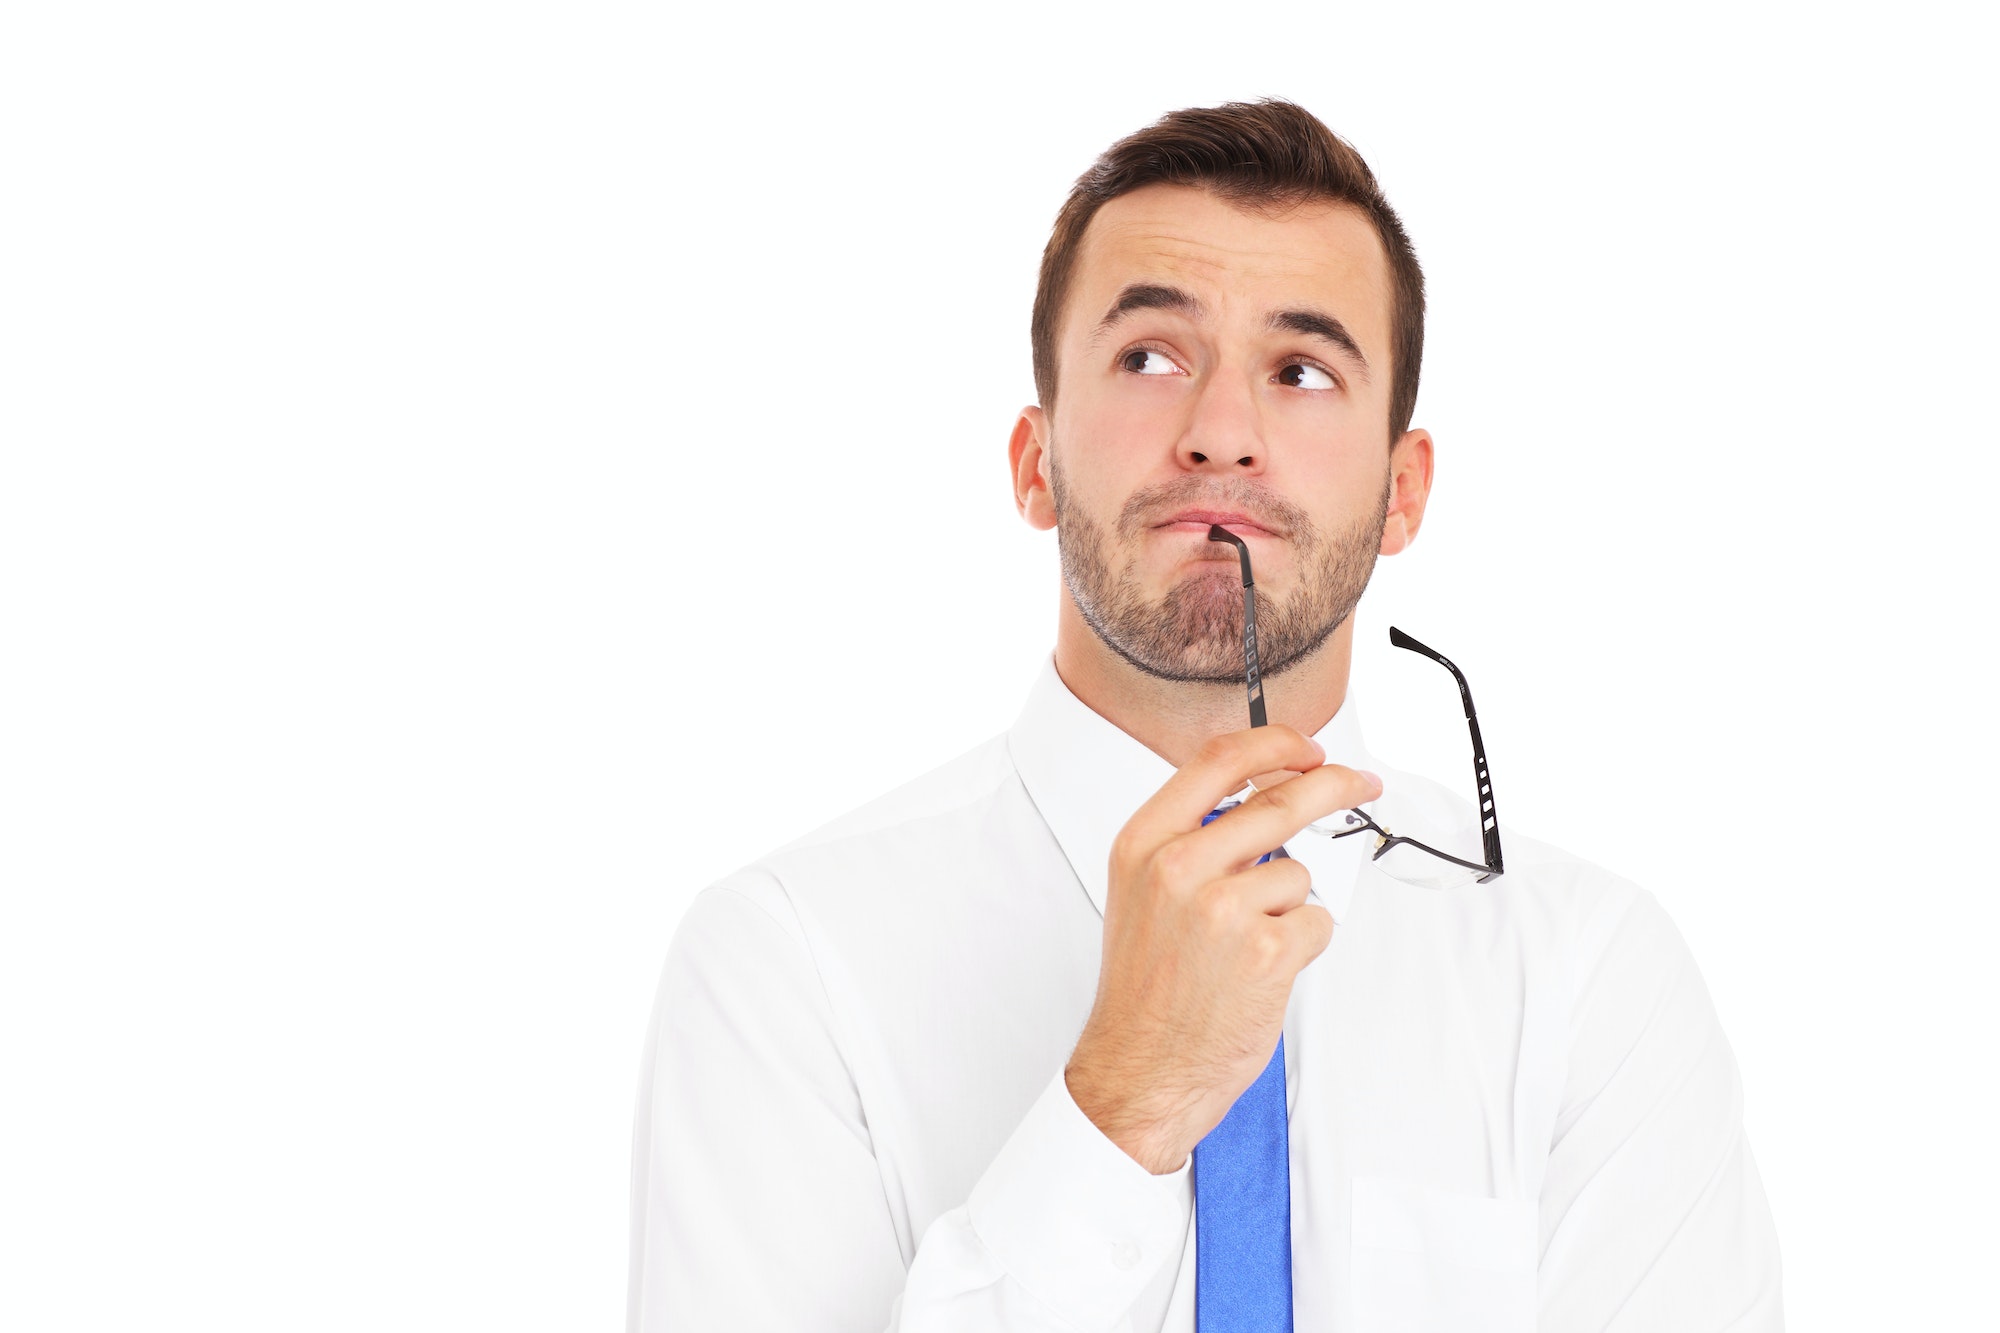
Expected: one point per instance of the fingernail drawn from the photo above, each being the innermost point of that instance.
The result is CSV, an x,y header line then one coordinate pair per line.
x,y
1371,777
1321,748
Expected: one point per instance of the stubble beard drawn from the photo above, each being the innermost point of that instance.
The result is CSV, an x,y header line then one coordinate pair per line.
x,y
1194,633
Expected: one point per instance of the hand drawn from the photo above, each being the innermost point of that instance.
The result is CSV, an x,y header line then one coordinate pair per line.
x,y
1201,944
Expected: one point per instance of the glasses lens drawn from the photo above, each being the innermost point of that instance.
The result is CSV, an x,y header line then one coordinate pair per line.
x,y
1418,868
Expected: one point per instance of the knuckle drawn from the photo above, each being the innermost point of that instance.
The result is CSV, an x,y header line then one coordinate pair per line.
x,y
1285,880
1124,850
1282,798
1170,865
1216,909
1267,954
1338,792
1217,749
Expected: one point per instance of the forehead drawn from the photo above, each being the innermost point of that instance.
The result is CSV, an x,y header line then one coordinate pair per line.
x,y
1240,262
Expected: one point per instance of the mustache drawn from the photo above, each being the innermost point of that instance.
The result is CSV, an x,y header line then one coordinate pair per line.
x,y
1150,504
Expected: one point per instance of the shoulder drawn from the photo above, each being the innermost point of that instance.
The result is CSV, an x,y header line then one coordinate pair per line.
x,y
966,782
1545,886
1586,939
862,850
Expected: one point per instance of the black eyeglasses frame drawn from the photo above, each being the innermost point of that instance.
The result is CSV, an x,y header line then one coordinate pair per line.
x,y
1360,820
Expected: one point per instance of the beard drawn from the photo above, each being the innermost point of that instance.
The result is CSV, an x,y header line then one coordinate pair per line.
x,y
1195,631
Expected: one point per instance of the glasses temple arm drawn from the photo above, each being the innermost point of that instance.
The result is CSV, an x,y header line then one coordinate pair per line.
x,y
1489,816
1252,676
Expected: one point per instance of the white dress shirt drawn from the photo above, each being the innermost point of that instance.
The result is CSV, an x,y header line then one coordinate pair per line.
x,y
1511,1105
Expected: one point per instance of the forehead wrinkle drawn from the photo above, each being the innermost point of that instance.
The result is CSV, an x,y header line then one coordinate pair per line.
x,y
1164,259
1154,246
1220,271
1164,239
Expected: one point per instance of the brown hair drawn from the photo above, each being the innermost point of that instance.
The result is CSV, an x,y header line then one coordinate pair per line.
x,y
1264,155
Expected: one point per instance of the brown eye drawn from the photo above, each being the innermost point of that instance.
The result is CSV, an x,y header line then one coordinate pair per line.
x,y
1299,375
1145,361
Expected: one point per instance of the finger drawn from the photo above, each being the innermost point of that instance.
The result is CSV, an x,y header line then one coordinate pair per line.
x,y
1273,888
1262,781
1306,931
1221,768
1270,818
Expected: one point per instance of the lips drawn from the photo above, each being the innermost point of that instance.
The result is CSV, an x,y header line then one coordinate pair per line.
x,y
1202,519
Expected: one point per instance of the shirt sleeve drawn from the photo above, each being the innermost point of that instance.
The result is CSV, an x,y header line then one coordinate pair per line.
x,y
1653,1214
757,1203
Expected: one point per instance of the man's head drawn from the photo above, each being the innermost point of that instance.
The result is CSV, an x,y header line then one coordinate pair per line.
x,y
1229,322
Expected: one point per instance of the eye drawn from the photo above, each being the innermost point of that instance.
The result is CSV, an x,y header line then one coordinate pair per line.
x,y
1146,361
1304,375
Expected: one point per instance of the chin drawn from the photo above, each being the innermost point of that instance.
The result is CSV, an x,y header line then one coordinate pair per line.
x,y
1216,582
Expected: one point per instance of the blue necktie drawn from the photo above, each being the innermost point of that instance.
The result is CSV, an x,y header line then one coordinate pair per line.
x,y
1243,1209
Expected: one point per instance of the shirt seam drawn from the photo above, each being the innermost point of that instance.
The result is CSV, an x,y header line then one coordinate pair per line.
x,y
842,1043
1578,977
797,935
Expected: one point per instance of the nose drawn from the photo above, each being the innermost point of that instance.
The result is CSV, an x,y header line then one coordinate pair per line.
x,y
1224,431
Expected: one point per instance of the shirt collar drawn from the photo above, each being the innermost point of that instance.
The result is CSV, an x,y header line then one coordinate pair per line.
x,y
1087,777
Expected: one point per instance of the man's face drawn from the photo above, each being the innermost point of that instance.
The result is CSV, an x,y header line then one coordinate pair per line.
x,y
1221,365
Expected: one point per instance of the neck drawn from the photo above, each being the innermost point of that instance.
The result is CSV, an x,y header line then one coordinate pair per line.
x,y
1173,718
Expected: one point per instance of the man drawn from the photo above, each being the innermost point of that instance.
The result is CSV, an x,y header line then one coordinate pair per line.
x,y
1042,1042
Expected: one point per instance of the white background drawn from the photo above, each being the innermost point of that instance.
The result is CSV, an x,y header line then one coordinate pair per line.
x,y
476,473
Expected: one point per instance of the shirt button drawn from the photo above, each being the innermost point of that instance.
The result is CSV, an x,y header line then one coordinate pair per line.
x,y
1124,1255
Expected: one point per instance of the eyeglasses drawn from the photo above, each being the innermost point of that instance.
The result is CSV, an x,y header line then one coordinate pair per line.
x,y
1398,856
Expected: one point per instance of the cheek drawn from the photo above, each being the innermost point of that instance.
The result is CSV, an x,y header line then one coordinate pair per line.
x,y
1333,446
1109,441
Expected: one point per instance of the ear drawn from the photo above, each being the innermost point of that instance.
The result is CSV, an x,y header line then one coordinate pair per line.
x,y
1410,462
1028,457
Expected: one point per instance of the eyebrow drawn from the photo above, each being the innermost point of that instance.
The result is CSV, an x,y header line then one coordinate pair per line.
x,y
1319,324
1150,296
1158,296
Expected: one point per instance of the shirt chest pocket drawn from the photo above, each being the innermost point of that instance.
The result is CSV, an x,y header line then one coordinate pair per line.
x,y
1426,1260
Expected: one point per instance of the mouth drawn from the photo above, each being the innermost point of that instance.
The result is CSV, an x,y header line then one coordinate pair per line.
x,y
1201,520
